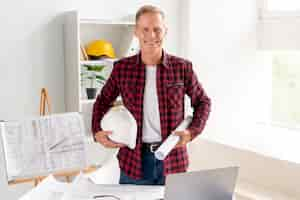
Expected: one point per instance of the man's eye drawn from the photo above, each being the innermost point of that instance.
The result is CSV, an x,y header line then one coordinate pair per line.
x,y
157,31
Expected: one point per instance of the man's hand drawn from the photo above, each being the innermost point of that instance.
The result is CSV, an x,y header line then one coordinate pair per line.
x,y
102,138
185,137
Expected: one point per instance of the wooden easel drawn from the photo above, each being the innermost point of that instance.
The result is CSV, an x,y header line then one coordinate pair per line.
x,y
44,99
38,179
45,102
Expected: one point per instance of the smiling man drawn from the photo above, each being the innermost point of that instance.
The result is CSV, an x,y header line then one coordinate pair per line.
x,y
152,84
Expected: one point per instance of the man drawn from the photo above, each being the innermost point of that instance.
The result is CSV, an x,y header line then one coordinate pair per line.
x,y
152,85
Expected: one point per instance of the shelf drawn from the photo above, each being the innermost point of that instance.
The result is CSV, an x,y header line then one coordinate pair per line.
x,y
87,101
108,22
80,31
97,62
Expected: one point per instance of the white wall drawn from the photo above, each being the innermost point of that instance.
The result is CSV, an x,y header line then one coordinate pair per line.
x,y
223,46
32,54
279,33
32,47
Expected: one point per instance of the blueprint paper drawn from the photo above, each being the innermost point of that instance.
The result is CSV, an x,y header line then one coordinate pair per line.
x,y
43,145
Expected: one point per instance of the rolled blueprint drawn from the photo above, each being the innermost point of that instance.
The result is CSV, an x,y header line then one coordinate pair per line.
x,y
165,148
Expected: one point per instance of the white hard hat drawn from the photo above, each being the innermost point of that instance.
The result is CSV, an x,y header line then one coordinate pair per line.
x,y
122,124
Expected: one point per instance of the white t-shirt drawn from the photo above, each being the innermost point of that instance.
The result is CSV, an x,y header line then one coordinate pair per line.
x,y
151,118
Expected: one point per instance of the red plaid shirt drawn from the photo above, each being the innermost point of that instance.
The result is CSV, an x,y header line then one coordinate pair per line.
x,y
175,78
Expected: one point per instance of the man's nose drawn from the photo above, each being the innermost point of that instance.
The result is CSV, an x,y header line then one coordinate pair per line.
x,y
152,34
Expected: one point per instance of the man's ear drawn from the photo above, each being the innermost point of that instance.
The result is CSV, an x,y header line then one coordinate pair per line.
x,y
166,31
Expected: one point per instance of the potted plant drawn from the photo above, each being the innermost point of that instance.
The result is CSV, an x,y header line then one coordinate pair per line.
x,y
92,79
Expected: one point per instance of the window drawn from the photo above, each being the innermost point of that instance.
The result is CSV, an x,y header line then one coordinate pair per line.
x,y
285,105
278,38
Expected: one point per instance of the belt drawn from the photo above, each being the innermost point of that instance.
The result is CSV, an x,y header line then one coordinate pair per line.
x,y
150,147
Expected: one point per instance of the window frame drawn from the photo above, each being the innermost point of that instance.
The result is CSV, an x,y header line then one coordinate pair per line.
x,y
265,14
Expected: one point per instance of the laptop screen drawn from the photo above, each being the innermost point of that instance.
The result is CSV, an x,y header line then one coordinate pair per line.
x,y
212,184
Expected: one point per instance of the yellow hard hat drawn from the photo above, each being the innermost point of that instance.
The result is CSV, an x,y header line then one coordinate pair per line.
x,y
99,48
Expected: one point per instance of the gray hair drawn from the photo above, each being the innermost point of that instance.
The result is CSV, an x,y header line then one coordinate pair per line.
x,y
148,9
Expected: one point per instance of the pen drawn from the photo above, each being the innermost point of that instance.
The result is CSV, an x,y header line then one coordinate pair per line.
x,y
58,143
103,196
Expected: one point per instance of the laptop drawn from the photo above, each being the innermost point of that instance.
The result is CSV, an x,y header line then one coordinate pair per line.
x,y
212,184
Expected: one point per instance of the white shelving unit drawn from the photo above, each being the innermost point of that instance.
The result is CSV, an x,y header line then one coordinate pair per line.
x,y
82,31
97,62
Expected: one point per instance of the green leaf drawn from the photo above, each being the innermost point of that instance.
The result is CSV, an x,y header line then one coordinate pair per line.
x,y
100,77
96,68
102,82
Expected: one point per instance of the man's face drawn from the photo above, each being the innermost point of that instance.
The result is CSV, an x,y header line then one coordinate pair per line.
x,y
150,30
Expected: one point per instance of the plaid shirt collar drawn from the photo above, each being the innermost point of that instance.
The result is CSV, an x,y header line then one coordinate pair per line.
x,y
164,60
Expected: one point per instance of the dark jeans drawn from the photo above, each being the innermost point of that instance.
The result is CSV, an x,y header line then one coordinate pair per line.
x,y
153,172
